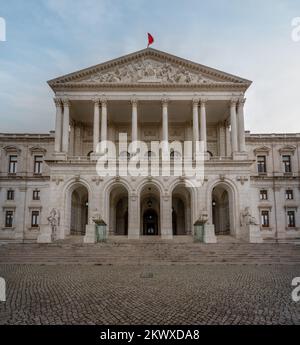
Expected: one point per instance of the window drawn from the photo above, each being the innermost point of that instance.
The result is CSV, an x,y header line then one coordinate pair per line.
x,y
289,195
263,194
265,219
38,162
36,195
35,219
10,194
287,166
9,215
12,167
261,164
291,219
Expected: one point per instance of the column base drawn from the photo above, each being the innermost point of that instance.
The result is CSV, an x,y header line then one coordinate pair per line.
x,y
240,155
133,236
90,234
167,236
60,156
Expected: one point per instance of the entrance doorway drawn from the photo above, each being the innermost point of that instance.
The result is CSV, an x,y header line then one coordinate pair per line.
x,y
220,211
150,223
150,210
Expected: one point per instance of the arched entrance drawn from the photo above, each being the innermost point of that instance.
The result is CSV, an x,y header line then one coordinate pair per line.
x,y
79,210
118,211
150,223
220,211
181,211
150,210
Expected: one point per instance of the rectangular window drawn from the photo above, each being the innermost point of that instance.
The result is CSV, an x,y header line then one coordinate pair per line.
x,y
291,219
38,162
289,195
36,195
287,165
9,216
265,219
10,194
261,164
12,167
263,194
35,219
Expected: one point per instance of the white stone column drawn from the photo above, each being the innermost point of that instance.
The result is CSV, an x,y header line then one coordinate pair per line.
x,y
133,217
72,138
222,141
103,122
96,124
165,130
66,124
227,139
234,142
134,123
166,217
195,123
241,125
203,134
58,125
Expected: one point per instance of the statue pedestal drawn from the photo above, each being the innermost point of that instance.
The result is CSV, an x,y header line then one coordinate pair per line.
x,y
209,234
90,234
45,234
252,233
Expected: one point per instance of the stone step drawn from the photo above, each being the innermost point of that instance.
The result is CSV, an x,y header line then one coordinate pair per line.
x,y
113,253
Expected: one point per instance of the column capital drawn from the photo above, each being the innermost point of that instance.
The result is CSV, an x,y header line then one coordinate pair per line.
x,y
241,101
165,100
233,102
195,101
134,100
203,101
57,101
103,100
66,102
96,100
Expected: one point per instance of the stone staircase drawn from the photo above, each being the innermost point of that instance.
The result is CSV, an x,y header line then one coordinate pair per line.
x,y
148,252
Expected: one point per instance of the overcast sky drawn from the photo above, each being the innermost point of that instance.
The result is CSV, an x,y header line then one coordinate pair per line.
x,y
49,38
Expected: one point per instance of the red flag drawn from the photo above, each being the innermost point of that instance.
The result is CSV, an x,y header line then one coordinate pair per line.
x,y
150,39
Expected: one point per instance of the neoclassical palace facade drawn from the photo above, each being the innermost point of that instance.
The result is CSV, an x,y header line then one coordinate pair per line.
x,y
250,189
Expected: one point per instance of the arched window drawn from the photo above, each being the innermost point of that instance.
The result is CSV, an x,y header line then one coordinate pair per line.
x,y
124,154
175,155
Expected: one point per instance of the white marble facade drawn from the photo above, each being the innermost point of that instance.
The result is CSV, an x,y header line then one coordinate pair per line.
x,y
251,184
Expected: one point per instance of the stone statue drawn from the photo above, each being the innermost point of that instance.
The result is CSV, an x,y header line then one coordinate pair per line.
x,y
247,218
54,221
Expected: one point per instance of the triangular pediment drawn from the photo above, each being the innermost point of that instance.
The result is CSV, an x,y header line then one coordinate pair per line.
x,y
148,67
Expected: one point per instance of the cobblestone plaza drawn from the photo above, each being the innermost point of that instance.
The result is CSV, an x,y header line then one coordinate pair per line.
x,y
157,294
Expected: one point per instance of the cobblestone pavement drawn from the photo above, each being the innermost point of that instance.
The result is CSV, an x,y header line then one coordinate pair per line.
x,y
185,294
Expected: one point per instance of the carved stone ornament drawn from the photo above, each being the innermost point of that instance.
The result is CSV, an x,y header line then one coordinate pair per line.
x,y
149,71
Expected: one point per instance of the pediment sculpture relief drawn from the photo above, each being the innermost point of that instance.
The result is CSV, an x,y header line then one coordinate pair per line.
x,y
149,71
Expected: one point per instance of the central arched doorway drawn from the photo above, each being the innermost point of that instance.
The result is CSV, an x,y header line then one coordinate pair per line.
x,y
181,211
79,210
150,210
220,211
150,223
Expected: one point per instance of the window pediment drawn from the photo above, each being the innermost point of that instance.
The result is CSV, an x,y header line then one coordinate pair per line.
x,y
37,149
262,150
11,149
287,149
